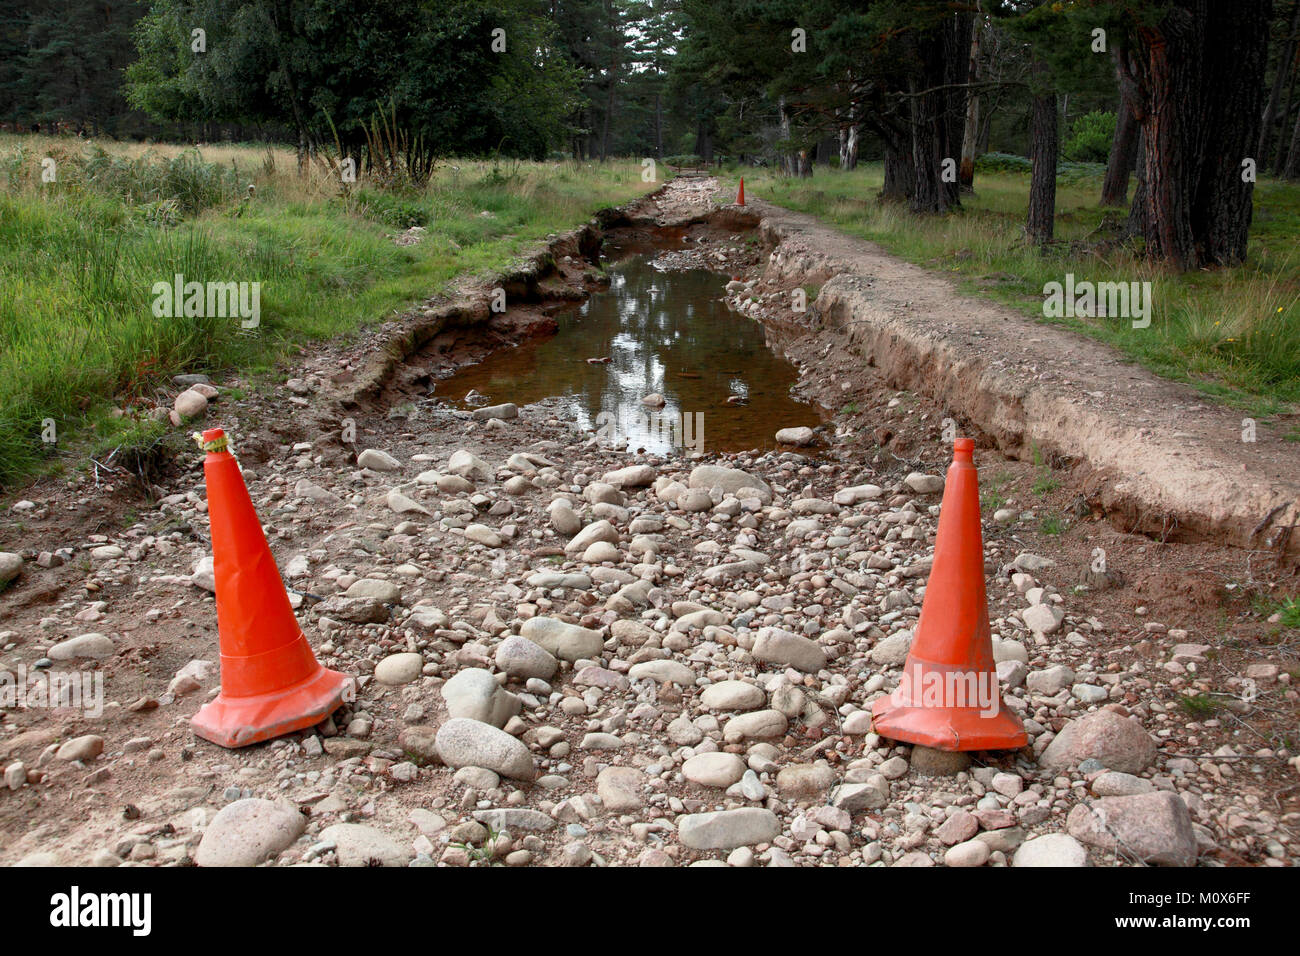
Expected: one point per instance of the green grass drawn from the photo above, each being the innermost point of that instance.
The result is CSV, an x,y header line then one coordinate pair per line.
x,y
1045,484
992,491
79,258
1199,705
1290,611
1234,334
1052,525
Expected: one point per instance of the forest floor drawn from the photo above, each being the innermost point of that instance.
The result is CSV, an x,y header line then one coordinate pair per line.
x,y
674,666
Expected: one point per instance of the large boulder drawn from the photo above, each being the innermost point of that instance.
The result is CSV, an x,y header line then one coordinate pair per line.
x,y
728,829
776,646
1154,828
1119,743
1054,849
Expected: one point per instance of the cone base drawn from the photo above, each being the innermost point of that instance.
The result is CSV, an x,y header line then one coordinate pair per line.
x,y
239,721
951,729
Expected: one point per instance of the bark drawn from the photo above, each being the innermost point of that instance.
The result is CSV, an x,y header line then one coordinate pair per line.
x,y
1123,147
659,127
1198,71
1286,57
1292,168
1280,159
1043,146
704,138
900,172
849,146
957,42
938,110
789,159
970,132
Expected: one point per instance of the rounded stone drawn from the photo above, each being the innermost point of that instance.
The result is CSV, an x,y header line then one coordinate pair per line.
x,y
247,832
399,668
714,769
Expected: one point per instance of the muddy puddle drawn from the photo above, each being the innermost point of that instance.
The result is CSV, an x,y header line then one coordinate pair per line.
x,y
656,329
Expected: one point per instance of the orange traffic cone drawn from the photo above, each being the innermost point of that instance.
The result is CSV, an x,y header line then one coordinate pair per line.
x,y
948,697
271,682
740,200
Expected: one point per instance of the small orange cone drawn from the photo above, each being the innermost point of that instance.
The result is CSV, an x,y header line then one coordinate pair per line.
x,y
271,682
948,697
740,200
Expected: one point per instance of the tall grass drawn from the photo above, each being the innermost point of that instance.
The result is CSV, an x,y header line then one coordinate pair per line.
x,y
79,257
1232,333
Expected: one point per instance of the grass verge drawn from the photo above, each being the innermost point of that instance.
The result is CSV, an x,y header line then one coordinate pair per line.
x,y
86,230
1234,333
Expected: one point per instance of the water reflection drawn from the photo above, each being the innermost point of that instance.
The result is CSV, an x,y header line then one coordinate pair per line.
x,y
662,332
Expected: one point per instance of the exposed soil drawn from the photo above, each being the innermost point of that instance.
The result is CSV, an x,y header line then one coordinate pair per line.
x,y
149,797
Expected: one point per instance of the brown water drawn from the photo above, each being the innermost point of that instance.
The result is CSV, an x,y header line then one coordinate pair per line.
x,y
665,332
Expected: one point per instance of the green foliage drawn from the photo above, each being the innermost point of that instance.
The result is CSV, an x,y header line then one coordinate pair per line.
x,y
1090,138
396,210
1003,163
326,66
61,62
186,181
1290,611
1199,705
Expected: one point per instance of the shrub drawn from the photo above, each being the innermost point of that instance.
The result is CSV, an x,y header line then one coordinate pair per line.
x,y
1090,137
1002,163
395,210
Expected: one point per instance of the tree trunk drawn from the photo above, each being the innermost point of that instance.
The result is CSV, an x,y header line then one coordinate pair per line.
x,y
849,146
900,173
1292,168
1286,57
1043,144
970,132
659,127
789,161
957,43
1199,72
704,138
938,110
1280,158
1123,147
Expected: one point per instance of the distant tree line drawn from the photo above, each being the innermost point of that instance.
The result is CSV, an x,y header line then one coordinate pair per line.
x,y
1186,101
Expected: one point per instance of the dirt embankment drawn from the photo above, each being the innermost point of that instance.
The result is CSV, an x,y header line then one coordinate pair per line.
x,y
1154,455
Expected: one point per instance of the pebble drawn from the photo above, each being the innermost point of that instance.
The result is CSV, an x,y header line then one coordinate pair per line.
x,y
728,829
399,668
462,742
